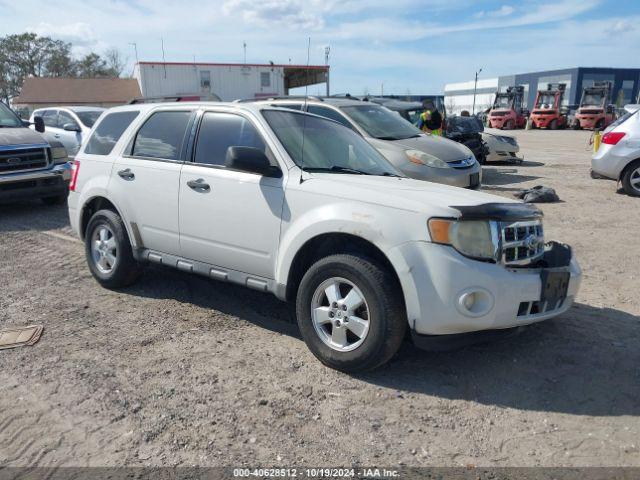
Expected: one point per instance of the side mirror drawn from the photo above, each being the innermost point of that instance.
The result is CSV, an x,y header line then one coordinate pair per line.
x,y
39,124
71,127
26,123
252,160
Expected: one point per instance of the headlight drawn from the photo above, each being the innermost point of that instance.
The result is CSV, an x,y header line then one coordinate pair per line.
x,y
472,238
423,158
59,155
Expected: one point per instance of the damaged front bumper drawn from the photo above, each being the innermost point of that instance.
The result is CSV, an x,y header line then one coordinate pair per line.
x,y
436,280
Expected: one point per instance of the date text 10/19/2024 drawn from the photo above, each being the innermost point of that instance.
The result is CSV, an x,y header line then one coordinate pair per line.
x,y
315,472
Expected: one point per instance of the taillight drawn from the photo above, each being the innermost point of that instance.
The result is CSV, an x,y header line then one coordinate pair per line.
x,y
612,138
75,168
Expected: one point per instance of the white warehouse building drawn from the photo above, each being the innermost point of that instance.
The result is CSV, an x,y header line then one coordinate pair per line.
x,y
459,96
228,81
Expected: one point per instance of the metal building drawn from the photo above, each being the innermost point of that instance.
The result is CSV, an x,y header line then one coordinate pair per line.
x,y
228,81
626,85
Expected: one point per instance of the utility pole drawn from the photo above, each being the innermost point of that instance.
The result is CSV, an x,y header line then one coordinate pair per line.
x,y
475,88
164,62
244,47
327,50
135,49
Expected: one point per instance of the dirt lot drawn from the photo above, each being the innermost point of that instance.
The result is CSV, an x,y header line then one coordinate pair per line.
x,y
181,370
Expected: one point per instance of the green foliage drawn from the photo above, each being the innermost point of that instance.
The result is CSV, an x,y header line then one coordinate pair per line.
x,y
29,55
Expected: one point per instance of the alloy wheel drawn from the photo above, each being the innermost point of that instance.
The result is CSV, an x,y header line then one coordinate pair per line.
x,y
104,251
340,314
634,179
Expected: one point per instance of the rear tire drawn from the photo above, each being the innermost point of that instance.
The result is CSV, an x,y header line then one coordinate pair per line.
x,y
108,251
380,317
631,179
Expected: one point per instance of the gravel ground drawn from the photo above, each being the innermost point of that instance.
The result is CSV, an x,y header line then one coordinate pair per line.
x,y
181,370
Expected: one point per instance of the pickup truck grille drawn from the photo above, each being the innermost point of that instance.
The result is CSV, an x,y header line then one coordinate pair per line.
x,y
21,159
522,242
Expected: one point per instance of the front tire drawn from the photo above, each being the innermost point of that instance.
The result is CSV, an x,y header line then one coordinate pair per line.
x,y
631,179
350,312
108,251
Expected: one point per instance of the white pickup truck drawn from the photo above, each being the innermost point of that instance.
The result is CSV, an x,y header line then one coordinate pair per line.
x,y
301,206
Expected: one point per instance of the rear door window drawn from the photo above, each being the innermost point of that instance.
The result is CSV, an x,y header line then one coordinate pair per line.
x,y
64,118
162,135
108,132
219,131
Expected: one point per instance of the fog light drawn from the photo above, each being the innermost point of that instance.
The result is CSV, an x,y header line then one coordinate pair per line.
x,y
475,302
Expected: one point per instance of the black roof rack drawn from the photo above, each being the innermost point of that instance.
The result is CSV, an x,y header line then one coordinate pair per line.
x,y
280,97
185,97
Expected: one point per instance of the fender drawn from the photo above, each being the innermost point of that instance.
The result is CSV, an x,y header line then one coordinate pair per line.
x,y
91,192
369,222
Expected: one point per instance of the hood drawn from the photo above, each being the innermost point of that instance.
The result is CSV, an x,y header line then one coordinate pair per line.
x,y
403,193
20,136
443,148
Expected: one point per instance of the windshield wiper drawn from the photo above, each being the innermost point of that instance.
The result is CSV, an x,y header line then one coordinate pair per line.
x,y
335,168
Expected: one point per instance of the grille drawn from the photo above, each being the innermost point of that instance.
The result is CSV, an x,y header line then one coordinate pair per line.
x,y
522,242
537,307
20,159
499,114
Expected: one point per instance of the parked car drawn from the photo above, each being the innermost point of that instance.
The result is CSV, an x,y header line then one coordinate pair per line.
x,y
300,206
69,125
502,148
416,154
468,132
30,167
618,157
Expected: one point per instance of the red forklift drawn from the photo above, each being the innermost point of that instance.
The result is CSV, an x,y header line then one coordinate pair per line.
x,y
507,112
548,111
595,111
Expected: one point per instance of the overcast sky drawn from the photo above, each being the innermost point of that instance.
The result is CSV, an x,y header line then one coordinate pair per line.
x,y
409,46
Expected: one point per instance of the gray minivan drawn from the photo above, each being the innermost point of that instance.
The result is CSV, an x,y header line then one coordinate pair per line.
x,y
416,154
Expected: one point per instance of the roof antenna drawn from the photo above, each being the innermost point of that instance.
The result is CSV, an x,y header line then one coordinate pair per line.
x,y
304,108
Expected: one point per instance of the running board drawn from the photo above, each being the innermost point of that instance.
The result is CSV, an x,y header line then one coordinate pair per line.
x,y
212,271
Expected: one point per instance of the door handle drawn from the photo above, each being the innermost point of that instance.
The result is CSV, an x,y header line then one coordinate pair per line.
x,y
199,185
57,135
127,174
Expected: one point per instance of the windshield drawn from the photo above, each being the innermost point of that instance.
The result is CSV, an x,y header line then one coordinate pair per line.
x,y
546,100
7,118
381,123
502,102
326,145
592,99
458,124
88,118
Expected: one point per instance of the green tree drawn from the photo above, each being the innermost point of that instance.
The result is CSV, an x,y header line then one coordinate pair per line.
x,y
29,55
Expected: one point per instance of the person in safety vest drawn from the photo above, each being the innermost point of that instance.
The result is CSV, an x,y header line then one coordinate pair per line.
x,y
430,121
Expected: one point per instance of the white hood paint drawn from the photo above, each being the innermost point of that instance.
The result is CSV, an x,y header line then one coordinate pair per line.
x,y
401,193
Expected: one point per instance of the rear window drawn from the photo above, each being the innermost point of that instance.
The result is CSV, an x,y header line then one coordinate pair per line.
x,y
108,132
162,135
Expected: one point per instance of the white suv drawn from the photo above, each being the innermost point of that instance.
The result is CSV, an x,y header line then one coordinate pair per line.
x,y
300,206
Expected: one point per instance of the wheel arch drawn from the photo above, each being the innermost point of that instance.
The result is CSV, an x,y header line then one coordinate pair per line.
x,y
91,206
635,162
331,243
